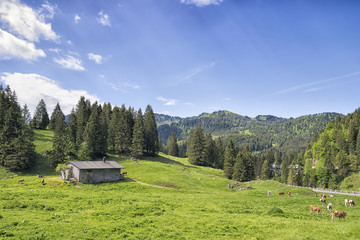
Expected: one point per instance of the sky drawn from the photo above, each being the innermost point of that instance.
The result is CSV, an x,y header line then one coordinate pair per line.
x,y
184,57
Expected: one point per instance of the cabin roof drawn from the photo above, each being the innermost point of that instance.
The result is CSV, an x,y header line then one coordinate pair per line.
x,y
96,164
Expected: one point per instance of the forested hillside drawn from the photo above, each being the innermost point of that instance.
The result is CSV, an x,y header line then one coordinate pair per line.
x,y
261,132
334,153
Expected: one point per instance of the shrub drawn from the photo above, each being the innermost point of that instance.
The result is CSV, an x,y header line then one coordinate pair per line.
x,y
275,211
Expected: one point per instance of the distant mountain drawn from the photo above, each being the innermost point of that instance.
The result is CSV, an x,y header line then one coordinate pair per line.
x,y
261,132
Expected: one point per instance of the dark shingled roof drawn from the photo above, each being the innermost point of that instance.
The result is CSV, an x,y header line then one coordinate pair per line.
x,y
96,164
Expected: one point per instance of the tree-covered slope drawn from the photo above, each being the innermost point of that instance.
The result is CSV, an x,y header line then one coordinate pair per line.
x,y
334,153
261,132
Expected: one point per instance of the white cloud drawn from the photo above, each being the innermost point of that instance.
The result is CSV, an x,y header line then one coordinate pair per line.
x,y
101,76
77,18
167,102
70,62
202,3
69,42
13,47
47,11
55,50
103,19
96,58
30,88
26,22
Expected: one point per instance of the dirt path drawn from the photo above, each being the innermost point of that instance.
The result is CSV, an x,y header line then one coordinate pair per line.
x,y
147,184
352,193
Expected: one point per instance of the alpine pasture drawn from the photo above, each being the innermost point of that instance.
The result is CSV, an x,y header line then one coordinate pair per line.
x,y
163,198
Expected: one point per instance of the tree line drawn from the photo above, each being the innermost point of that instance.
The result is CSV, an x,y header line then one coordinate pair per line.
x,y
89,132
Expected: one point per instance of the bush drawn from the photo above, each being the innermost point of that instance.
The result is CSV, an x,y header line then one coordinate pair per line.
x,y
275,211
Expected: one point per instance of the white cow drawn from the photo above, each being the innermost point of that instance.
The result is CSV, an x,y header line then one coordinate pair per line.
x,y
350,202
329,207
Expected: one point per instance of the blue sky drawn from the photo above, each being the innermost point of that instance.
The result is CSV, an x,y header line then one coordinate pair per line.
x,y
184,57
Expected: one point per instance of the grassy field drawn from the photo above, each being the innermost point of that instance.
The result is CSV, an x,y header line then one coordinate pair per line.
x,y
179,201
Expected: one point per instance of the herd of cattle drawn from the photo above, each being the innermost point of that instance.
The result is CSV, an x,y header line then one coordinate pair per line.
x,y
334,214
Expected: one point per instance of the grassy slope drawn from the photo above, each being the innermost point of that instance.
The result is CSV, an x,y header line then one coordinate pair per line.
x,y
195,206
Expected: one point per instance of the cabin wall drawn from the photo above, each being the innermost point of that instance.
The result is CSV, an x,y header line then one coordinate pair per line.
x,y
99,175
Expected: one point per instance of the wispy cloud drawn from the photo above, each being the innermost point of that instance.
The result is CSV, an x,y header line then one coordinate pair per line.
x,y
70,62
30,88
227,99
103,19
121,86
167,102
202,3
96,58
199,70
77,18
307,85
131,85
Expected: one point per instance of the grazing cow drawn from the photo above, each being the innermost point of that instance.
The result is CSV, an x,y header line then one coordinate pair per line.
x,y
21,180
281,193
124,173
269,192
42,181
331,196
350,202
323,201
40,176
315,208
323,195
289,194
338,214
329,207
315,194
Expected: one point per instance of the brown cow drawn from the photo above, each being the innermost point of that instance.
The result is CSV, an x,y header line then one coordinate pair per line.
x,y
42,181
281,193
338,214
21,180
323,195
315,194
323,201
124,173
315,208
289,194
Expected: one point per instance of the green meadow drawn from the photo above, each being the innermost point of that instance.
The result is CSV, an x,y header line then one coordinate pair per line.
x,y
163,198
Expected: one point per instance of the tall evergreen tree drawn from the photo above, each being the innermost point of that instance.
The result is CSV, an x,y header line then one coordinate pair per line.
x,y
54,114
151,134
71,134
239,169
41,117
195,146
209,151
137,148
249,161
229,159
91,132
125,129
26,115
172,146
219,153
265,171
82,114
59,149
16,147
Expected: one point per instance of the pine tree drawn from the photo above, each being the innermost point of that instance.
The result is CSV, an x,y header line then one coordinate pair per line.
x,y
26,115
59,149
195,146
249,162
239,169
125,129
71,135
41,117
16,147
113,133
229,159
219,153
265,171
137,148
82,114
151,134
172,146
91,132
54,114
209,151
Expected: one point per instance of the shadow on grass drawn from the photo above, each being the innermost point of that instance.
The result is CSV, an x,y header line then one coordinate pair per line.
x,y
161,159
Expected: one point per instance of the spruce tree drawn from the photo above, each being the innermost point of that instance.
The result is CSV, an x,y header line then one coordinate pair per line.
x,y
71,134
219,153
229,159
239,169
195,146
151,134
172,146
265,171
59,149
91,132
137,148
16,147
53,116
249,162
26,115
82,114
41,117
209,151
